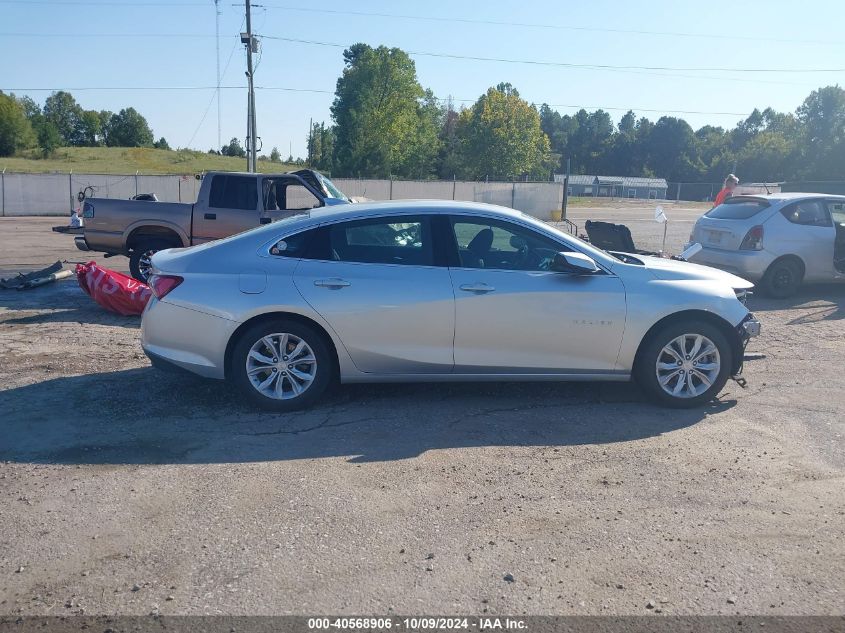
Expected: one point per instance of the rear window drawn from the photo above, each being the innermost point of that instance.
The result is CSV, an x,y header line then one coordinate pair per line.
x,y
737,209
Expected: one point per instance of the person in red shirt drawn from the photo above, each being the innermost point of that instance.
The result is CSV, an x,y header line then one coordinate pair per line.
x,y
727,191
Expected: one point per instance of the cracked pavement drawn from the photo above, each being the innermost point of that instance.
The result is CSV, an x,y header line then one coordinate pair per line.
x,y
130,491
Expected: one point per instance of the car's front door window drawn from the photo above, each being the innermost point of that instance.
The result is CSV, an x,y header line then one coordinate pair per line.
x,y
496,245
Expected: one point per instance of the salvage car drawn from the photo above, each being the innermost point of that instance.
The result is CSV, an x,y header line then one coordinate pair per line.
x,y
438,291
779,240
227,203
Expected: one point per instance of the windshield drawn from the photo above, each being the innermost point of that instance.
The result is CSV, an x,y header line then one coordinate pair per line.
x,y
737,209
333,192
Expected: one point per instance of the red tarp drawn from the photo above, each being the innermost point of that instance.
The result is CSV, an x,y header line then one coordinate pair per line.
x,y
113,290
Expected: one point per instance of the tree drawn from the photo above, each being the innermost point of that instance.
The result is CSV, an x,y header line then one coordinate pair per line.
x,y
61,109
49,139
15,129
823,118
89,129
233,148
275,157
161,144
128,128
449,163
383,123
672,151
501,137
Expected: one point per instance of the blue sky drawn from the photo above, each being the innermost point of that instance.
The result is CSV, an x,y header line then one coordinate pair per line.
x,y
150,43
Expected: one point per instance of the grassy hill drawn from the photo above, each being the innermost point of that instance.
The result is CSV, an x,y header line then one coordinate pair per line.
x,y
128,160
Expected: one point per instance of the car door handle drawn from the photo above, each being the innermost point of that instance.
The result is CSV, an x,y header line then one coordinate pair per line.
x,y
480,288
332,283
210,216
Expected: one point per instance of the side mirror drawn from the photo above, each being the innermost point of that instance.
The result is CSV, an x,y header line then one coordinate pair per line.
x,y
574,263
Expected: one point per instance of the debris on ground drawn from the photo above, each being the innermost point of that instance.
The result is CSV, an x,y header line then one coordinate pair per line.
x,y
114,291
36,278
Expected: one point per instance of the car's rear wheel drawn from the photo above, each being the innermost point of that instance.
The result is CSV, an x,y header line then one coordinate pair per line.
x,y
685,364
140,264
782,279
281,365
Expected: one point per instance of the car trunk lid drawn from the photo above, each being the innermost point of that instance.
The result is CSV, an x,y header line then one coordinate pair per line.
x,y
725,226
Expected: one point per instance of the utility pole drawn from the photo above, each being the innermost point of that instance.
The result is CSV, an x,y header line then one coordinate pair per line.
x,y
251,134
217,41
310,139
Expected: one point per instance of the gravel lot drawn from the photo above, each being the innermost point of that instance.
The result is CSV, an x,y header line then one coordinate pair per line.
x,y
129,491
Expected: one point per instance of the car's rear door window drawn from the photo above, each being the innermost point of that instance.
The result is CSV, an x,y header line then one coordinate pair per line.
x,y
737,209
837,210
807,213
391,240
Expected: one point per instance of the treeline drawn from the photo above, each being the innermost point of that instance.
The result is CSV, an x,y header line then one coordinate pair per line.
x,y
385,124
62,122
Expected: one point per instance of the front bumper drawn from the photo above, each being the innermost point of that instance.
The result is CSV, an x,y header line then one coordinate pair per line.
x,y
749,328
749,265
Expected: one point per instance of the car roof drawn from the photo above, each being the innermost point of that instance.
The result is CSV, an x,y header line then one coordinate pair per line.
x,y
410,207
789,195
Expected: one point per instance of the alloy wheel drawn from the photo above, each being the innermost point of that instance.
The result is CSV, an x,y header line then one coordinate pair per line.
x,y
281,366
688,366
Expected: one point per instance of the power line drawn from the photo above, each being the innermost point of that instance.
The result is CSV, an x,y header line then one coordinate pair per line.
x,y
89,3
536,62
120,35
560,27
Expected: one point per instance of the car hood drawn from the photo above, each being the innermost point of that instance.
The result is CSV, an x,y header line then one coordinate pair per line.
x,y
673,269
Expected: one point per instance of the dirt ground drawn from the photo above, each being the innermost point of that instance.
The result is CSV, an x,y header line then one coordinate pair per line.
x,y
129,491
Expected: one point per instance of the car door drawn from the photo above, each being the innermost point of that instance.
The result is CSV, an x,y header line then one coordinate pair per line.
x,y
514,315
232,207
376,283
810,235
284,196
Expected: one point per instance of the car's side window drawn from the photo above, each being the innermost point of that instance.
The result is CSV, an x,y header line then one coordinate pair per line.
x,y
807,213
284,194
837,210
296,246
233,192
493,244
393,240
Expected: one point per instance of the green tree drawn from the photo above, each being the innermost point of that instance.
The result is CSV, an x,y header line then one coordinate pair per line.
x,y
89,130
382,116
161,144
275,157
49,139
233,148
128,128
501,137
62,110
15,129
672,151
823,118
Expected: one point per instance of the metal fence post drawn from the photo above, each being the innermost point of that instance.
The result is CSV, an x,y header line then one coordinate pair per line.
x,y
3,192
136,182
390,195
513,194
70,188
454,185
678,197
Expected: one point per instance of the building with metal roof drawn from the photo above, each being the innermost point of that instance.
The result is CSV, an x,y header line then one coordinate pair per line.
x,y
615,186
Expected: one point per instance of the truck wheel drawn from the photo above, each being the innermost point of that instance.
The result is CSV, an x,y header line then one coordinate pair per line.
x,y
139,258
685,364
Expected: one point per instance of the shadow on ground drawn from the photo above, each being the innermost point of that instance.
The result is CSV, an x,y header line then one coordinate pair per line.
x,y
60,302
821,302
143,416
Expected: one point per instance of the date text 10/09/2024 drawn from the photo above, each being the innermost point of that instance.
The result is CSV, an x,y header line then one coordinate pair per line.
x,y
417,624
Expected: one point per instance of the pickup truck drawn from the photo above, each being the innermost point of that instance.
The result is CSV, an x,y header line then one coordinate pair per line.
x,y
227,203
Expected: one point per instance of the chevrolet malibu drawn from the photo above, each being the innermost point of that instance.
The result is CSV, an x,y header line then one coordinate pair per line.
x,y
413,291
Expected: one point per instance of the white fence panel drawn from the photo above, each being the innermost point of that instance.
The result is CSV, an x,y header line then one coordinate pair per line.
x,y
422,190
357,188
36,194
538,198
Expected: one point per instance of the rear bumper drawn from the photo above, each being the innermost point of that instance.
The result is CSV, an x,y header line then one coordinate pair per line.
x,y
81,244
182,338
749,265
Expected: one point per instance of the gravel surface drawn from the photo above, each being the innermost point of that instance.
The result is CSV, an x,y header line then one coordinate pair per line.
x,y
130,491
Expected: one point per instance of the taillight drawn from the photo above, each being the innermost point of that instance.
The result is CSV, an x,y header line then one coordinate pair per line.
x,y
161,285
753,240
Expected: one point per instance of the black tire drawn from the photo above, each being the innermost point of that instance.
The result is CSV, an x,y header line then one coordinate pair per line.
x,y
314,340
782,279
646,371
142,249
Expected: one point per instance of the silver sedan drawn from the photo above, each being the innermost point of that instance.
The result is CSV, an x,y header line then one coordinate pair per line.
x,y
438,291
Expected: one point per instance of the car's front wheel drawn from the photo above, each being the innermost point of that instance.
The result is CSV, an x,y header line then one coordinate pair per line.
x,y
281,365
685,364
